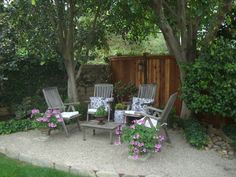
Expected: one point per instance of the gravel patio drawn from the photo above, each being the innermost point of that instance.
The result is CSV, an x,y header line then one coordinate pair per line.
x,y
96,157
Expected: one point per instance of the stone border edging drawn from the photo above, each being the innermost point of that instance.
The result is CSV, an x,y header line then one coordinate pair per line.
x,y
63,167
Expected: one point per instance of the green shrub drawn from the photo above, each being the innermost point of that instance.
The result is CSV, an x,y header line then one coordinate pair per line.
x,y
124,91
28,103
210,84
230,131
120,106
12,126
101,112
25,77
174,120
82,108
195,133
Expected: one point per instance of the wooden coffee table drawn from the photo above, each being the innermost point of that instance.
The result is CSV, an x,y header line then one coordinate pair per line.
x,y
108,126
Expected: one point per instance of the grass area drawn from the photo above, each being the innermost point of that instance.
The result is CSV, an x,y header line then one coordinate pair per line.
x,y
15,168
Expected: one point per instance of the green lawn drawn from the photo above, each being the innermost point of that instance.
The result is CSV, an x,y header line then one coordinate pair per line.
x,y
14,168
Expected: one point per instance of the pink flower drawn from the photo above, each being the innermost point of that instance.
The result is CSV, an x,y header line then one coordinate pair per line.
x,y
136,150
60,120
135,157
132,126
48,115
134,121
136,136
132,142
157,147
141,121
52,125
140,144
161,138
42,119
34,111
55,111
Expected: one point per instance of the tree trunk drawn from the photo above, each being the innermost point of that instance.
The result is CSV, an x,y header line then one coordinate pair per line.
x,y
71,82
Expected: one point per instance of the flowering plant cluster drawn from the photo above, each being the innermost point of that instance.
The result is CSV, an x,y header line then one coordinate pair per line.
x,y
52,117
142,139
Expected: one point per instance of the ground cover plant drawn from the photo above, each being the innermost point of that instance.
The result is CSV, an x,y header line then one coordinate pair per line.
x,y
14,168
195,133
13,126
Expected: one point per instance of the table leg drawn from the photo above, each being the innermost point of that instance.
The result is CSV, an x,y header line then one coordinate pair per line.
x,y
84,134
111,137
93,131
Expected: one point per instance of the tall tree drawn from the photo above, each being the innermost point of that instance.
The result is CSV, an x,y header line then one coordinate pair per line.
x,y
186,25
66,29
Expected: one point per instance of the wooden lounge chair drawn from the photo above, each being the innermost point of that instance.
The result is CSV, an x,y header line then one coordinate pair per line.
x,y
160,116
102,92
54,101
147,91
146,96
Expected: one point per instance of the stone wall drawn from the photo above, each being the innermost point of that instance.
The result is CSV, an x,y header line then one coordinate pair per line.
x,y
90,75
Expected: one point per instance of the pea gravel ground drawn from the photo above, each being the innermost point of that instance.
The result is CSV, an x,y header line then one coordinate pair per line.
x,y
96,157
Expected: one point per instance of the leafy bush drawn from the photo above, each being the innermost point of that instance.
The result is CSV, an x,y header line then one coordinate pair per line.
x,y
195,133
12,126
28,103
82,108
124,91
101,112
230,131
173,120
210,84
25,77
120,106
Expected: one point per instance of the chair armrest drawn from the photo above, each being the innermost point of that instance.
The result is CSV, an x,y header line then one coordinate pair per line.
x,y
56,107
154,109
87,101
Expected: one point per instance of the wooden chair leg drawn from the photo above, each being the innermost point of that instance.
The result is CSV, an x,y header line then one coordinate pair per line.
x,y
167,135
87,116
78,124
65,129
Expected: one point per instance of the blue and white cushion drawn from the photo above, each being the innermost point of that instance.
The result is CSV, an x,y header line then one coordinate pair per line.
x,y
96,102
138,103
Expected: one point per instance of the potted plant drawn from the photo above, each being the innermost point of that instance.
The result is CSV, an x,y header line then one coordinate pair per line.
x,y
51,118
119,112
142,140
101,115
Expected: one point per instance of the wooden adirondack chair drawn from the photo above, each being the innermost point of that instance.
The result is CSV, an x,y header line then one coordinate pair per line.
x,y
54,101
147,91
106,92
160,116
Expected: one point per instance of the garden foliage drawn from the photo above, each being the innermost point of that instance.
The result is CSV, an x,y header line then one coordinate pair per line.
x,y
124,91
12,126
195,133
210,84
142,139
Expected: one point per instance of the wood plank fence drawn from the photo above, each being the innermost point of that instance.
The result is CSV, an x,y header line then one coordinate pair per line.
x,y
161,70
